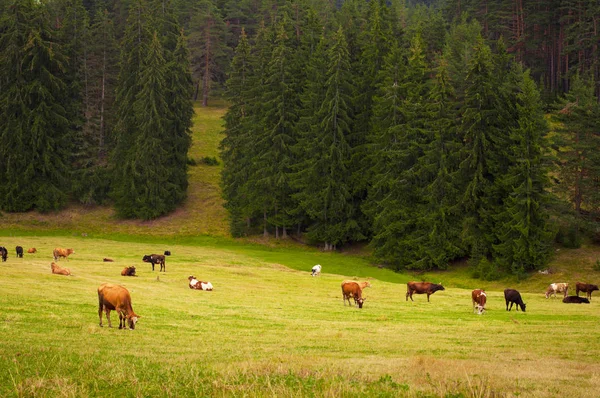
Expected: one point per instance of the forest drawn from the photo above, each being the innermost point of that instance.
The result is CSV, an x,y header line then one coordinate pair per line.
x,y
432,131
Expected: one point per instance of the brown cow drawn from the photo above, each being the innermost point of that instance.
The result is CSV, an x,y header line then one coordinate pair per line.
x,y
128,271
199,285
60,252
108,260
32,250
554,288
586,288
56,269
479,299
422,288
116,297
352,289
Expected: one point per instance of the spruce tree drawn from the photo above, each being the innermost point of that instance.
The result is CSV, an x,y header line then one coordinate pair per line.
x,y
35,131
523,230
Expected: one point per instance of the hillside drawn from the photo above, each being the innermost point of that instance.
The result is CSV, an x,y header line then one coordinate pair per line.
x,y
201,214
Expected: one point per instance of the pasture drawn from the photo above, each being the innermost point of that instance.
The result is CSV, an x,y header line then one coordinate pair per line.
x,y
270,329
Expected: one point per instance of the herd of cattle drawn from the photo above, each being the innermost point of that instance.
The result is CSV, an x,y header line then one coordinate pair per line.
x,y
113,297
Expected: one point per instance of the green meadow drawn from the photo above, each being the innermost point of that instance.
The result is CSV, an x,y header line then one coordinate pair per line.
x,y
270,329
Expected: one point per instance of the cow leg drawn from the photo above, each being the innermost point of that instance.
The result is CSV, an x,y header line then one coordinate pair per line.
x,y
100,312
428,294
107,311
121,320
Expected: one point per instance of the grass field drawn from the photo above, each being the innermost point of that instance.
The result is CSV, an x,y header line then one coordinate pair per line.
x,y
269,329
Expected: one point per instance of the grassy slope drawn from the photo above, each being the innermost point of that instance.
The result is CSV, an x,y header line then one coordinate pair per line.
x,y
269,330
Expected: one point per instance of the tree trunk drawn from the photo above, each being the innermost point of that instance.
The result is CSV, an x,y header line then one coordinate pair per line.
x,y
265,232
206,83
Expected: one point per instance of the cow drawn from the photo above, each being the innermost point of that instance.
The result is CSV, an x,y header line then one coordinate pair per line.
x,y
479,299
167,253
576,300
128,271
586,288
422,288
116,297
19,250
361,284
56,269
3,253
155,259
108,260
316,270
352,289
32,250
199,285
513,297
60,252
554,288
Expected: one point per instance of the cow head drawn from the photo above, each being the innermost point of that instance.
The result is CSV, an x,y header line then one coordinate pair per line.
x,y
191,277
593,287
523,307
437,286
360,302
132,320
147,259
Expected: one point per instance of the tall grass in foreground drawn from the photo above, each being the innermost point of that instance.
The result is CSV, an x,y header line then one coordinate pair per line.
x,y
270,330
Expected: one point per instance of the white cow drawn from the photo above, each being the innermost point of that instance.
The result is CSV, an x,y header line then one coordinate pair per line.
x,y
199,285
554,288
316,270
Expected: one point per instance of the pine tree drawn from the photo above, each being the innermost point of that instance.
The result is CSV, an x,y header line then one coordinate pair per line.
x,y
35,132
237,159
326,198
524,234
152,192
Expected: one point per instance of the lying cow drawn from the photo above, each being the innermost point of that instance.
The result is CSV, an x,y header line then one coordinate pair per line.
x,y
479,299
422,288
167,253
199,285
587,288
108,260
60,252
116,297
128,271
351,289
554,288
575,300
155,259
316,270
19,250
3,253
32,250
56,269
513,297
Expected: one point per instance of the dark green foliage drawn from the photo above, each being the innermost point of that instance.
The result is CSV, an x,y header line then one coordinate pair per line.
x,y
486,270
35,131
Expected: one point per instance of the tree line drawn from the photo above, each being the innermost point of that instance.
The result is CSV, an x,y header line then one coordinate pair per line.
x,y
377,123
421,128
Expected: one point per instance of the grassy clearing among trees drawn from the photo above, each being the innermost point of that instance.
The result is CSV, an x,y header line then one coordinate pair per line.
x,y
269,329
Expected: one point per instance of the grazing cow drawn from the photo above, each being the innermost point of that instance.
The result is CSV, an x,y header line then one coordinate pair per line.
x,y
60,252
116,297
3,253
128,271
422,288
554,288
167,253
19,250
513,297
199,285
108,260
586,288
56,269
155,259
575,300
479,299
352,289
32,250
316,270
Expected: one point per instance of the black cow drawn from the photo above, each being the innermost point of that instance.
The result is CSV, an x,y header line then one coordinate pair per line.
x,y
167,253
19,251
3,253
513,297
575,300
155,259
